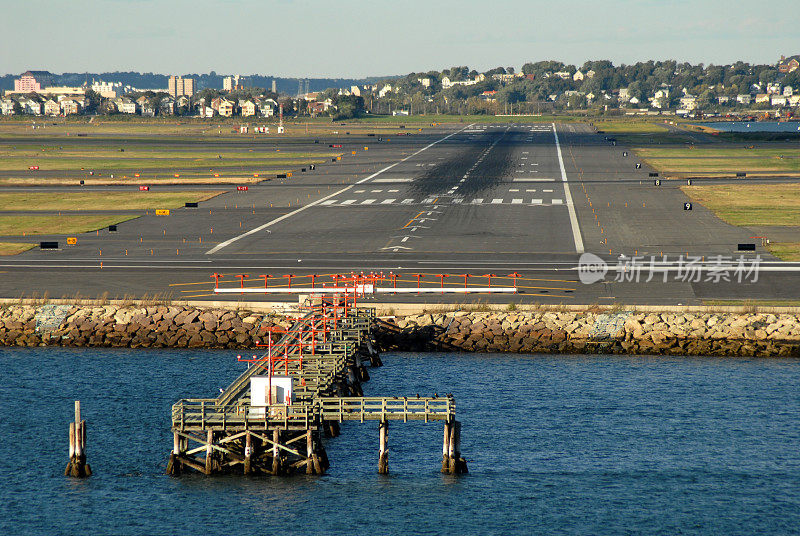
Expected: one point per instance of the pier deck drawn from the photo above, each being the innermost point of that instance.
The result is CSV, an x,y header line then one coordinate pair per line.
x,y
322,357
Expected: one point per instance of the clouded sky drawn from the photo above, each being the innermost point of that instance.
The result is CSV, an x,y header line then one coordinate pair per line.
x,y
355,38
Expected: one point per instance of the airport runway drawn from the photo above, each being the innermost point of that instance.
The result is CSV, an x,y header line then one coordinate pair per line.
x,y
471,199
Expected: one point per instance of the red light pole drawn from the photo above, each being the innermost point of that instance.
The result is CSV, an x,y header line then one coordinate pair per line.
x,y
241,277
515,275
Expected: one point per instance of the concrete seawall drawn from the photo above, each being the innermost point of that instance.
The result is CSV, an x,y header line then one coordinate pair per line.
x,y
626,332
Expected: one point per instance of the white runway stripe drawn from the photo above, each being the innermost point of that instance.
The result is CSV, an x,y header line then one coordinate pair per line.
x,y
368,201
387,201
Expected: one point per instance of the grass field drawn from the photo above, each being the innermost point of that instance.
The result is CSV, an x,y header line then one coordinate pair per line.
x,y
755,205
155,150
788,251
750,204
638,131
716,160
14,248
26,225
33,201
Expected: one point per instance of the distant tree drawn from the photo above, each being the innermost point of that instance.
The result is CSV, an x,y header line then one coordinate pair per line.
x,y
93,100
347,107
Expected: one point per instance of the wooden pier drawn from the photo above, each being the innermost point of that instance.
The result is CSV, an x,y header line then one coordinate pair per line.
x,y
274,417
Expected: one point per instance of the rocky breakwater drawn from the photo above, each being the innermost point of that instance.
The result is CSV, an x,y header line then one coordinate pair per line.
x,y
628,332
133,327
625,332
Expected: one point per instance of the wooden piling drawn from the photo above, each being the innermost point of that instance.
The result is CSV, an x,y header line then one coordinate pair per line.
x,y
77,466
456,464
446,449
174,465
248,453
309,452
209,452
332,429
276,453
383,453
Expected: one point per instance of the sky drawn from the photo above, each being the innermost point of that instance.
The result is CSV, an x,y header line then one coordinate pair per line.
x,y
353,39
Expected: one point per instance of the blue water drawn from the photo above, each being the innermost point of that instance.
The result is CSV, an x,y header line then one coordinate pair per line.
x,y
754,126
555,445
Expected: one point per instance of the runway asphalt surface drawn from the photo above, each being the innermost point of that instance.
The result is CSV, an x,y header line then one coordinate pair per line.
x,y
476,199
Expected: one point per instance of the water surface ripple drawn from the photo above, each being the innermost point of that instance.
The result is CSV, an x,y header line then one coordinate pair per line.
x,y
555,445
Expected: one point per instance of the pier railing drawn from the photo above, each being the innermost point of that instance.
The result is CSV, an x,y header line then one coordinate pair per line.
x,y
203,414
387,409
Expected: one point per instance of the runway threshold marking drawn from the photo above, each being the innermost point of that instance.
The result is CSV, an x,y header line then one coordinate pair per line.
x,y
320,200
573,218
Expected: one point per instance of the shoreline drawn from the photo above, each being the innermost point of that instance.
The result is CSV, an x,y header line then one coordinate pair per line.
x,y
544,330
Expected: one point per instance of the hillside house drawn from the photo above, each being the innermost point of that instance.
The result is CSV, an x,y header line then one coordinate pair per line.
x,y
125,105
744,98
148,108
688,102
267,107
762,98
167,106
7,107
51,107
69,107
226,108
778,100
30,106
790,64
248,108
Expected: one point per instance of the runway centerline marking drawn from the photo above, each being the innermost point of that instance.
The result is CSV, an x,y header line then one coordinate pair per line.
x,y
334,194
